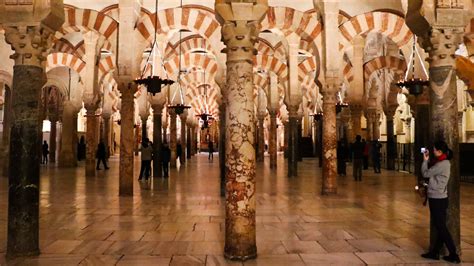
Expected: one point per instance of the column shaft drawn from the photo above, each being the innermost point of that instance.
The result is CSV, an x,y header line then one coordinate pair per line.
x,y
273,141
292,146
157,143
52,141
7,110
68,152
329,184
91,142
261,140
107,134
173,138
183,139
391,144
127,140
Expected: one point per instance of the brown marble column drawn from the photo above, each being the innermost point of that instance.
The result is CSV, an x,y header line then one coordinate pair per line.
x,y
127,139
53,138
143,126
286,135
443,42
91,139
189,140
370,116
173,137
239,33
272,143
391,141
222,146
157,140
29,43
329,184
356,113
420,106
68,152
292,141
183,118
320,142
261,138
376,127
7,110
299,136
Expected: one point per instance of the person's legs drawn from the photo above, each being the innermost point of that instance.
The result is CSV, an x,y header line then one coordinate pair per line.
x,y
104,162
359,171
98,164
439,216
165,169
142,170
147,169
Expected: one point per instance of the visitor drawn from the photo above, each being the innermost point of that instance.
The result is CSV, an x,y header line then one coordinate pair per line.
x,y
357,158
341,158
438,174
101,155
366,154
146,156
179,152
376,154
211,150
165,158
81,149
45,149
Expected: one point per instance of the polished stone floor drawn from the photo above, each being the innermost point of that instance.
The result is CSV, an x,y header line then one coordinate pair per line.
x,y
180,221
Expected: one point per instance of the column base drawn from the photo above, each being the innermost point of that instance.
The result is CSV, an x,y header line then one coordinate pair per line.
x,y
240,257
329,191
10,256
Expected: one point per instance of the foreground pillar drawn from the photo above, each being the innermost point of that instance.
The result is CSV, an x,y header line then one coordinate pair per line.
x,y
173,137
272,143
127,139
391,141
356,113
370,116
68,152
107,134
188,141
443,43
292,141
239,33
157,140
91,139
329,184
222,144
52,138
29,43
7,109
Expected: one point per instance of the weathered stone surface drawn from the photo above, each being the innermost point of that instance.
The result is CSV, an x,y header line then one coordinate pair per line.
x,y
272,143
173,137
292,145
91,141
67,154
157,142
127,115
329,154
23,197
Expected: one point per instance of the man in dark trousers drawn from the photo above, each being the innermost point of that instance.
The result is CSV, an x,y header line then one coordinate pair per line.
x,y
101,155
357,158
165,158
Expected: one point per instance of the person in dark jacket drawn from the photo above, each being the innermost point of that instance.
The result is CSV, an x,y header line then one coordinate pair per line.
x,y
45,150
81,149
211,150
357,158
438,175
341,158
165,158
101,155
146,156
179,152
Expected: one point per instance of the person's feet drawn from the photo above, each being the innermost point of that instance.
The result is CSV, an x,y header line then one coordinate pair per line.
x,y
106,168
452,258
430,255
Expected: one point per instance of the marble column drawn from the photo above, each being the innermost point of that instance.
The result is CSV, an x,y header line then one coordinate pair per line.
x,y
188,141
29,43
222,146
299,136
443,42
391,141
107,134
370,117
292,141
239,33
68,152
91,139
144,119
53,138
7,110
127,139
376,126
183,118
173,137
272,143
320,142
286,135
261,138
356,113
329,184
157,140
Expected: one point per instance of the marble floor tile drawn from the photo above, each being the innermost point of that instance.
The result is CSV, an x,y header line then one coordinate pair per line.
x,y
331,259
101,260
131,248
307,247
271,248
372,245
94,247
378,258
126,236
333,246
219,260
143,260
159,236
188,260
276,260
62,247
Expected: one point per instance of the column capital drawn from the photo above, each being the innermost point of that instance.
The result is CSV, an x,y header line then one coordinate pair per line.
x,y
272,112
30,43
240,27
329,96
441,45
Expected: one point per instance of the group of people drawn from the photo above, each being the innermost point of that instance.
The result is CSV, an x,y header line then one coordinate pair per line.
x,y
148,155
358,152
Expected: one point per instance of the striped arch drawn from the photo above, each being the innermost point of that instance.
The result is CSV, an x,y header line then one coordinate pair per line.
x,y
306,66
289,20
113,11
347,72
189,61
390,62
6,77
106,65
87,19
260,81
66,60
273,64
197,78
192,19
264,47
386,23
80,48
188,44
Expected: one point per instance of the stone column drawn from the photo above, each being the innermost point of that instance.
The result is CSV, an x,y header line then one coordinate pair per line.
x,y
107,134
239,32
391,141
443,42
329,184
127,139
157,140
173,137
272,143
68,152
183,117
261,138
356,113
52,138
370,116
222,146
29,43
189,140
144,119
420,107
91,139
292,141
7,110
299,136
286,134
320,142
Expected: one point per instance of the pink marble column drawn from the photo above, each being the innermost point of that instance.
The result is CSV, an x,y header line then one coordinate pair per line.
x,y
239,33
91,140
68,152
127,140
329,184
173,138
272,147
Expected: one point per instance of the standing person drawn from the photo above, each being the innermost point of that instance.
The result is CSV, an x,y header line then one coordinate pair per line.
x,y
357,158
341,158
101,155
179,152
45,149
366,154
147,155
211,150
376,146
438,174
165,158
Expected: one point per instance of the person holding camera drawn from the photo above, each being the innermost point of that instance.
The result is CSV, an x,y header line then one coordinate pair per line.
x,y
438,173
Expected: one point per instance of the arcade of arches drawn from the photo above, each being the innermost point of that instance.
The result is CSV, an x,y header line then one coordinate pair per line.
x,y
275,85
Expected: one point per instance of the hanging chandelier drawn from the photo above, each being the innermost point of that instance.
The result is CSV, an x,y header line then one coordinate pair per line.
x,y
153,83
414,85
205,116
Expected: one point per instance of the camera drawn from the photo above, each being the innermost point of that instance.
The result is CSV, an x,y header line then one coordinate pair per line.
x,y
423,150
